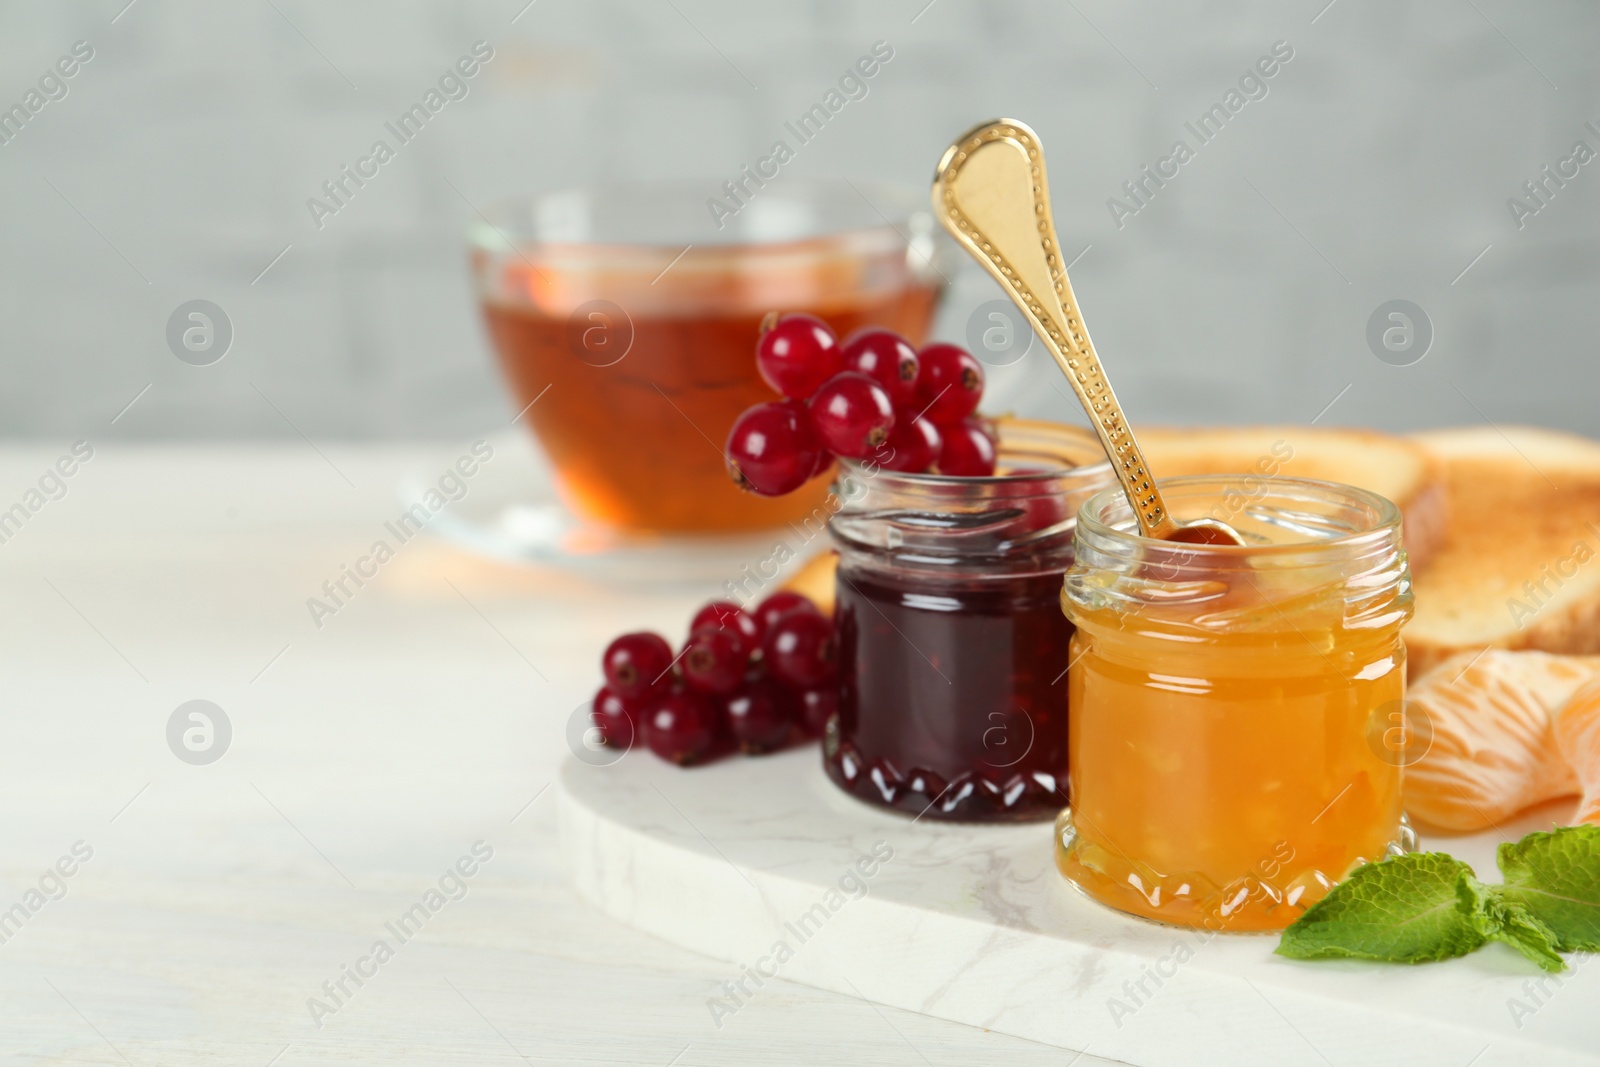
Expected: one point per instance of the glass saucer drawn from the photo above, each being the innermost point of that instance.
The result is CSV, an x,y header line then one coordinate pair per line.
x,y
510,512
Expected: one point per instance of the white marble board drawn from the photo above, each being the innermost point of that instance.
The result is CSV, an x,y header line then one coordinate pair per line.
x,y
973,924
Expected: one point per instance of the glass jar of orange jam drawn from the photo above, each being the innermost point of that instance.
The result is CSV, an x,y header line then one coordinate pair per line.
x,y
1225,743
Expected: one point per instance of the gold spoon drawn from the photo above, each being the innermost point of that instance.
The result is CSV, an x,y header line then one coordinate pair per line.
x,y
990,193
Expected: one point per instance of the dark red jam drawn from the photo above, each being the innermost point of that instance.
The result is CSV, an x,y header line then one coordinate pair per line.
x,y
952,694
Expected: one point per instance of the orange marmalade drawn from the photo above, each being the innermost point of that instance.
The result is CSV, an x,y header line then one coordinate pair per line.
x,y
1226,740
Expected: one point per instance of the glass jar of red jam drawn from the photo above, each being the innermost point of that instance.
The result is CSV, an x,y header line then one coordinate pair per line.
x,y
952,644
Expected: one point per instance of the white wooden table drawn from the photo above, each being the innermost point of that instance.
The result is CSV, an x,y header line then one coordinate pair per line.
x,y
367,757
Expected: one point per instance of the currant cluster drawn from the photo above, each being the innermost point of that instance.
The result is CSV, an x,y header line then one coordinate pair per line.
x,y
752,680
874,396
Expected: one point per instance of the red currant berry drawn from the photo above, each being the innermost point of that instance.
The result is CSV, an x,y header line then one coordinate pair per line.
x,y
797,354
816,707
1044,511
636,665
887,358
615,718
681,728
780,604
798,650
950,383
714,661
758,717
725,615
914,446
852,415
771,449
968,450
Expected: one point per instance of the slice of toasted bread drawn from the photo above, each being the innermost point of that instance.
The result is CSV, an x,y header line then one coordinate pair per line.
x,y
1390,466
1520,564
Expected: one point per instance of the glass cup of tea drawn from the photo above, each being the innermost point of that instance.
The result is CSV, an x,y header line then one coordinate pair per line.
x,y
625,319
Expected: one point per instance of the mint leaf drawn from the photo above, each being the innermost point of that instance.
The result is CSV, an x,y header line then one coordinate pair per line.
x,y
1500,919
1429,906
1555,877
1409,909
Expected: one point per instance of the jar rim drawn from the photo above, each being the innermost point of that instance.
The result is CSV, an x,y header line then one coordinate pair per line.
x,y
1080,457
993,526
1106,521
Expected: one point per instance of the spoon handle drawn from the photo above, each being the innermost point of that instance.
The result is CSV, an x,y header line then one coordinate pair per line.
x,y
990,192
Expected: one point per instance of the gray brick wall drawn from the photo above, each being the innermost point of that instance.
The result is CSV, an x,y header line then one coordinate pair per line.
x,y
1377,166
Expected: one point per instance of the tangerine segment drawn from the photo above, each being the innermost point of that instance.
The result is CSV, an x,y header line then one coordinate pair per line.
x,y
1577,729
1494,748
